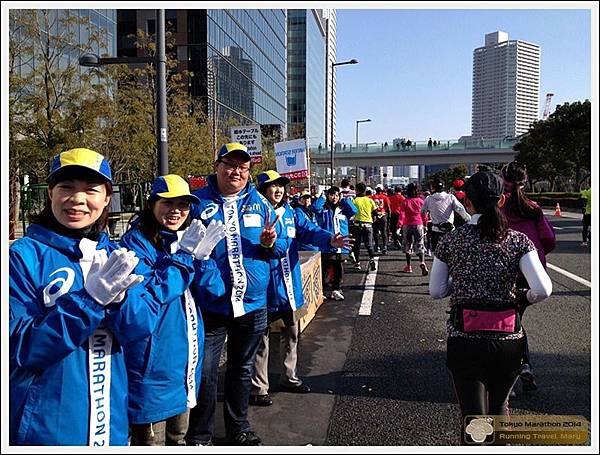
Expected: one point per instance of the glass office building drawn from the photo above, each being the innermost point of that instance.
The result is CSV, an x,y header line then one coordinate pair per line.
x,y
306,81
77,25
237,59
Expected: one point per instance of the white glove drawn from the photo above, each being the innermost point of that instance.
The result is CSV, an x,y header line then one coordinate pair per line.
x,y
201,240
109,278
192,236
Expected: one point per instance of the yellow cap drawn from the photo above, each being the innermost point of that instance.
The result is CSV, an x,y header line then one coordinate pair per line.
x,y
171,186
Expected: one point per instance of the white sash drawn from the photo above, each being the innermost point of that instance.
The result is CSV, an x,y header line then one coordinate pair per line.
x,y
191,317
336,225
100,376
235,256
287,270
99,365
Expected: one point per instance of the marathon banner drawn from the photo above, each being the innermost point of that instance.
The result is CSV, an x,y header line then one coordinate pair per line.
x,y
291,160
250,137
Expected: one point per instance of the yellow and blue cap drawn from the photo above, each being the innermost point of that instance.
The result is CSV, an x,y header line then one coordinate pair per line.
x,y
81,157
304,194
171,186
232,147
265,178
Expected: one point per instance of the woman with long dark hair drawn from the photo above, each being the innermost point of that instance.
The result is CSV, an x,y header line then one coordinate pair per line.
x,y
164,369
477,266
524,215
75,303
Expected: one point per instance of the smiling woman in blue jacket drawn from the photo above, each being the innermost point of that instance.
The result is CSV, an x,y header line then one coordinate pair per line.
x,y
164,369
74,305
284,295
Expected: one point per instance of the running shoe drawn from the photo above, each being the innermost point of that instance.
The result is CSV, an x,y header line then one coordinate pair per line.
x,y
372,266
352,257
337,295
407,269
527,378
357,266
424,270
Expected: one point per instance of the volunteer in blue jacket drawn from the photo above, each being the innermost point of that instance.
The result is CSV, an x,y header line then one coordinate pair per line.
x,y
241,314
285,289
164,369
303,212
333,214
74,305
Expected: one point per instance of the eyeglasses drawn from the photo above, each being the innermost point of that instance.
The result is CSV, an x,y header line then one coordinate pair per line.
x,y
232,167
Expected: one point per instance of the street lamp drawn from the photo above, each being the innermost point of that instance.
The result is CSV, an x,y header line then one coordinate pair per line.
x,y
333,65
357,122
160,62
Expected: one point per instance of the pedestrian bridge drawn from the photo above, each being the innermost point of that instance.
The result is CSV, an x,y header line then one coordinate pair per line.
x,y
418,153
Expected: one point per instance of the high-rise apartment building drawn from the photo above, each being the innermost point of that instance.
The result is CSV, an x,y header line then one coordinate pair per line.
x,y
306,76
237,59
506,87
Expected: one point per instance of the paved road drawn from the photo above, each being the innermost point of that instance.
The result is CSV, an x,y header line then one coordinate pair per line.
x,y
380,380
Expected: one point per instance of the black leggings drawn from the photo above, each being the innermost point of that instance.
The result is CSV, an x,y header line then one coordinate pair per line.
x,y
483,372
332,262
587,222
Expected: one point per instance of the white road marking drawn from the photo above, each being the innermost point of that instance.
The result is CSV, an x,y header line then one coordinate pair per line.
x,y
367,299
569,275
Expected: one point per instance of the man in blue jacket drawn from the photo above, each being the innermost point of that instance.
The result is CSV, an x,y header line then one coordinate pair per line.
x,y
241,313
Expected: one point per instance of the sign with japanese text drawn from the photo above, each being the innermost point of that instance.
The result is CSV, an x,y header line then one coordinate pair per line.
x,y
250,137
290,159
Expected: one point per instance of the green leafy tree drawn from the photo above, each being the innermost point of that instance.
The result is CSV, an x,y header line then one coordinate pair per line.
x,y
48,100
558,146
448,175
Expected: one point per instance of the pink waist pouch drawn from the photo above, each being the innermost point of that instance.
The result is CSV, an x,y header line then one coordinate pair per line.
x,y
497,321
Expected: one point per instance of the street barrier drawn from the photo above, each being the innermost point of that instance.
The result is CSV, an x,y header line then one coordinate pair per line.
x,y
312,290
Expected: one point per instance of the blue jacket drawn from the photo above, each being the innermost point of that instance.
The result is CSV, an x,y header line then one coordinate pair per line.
x,y
54,400
242,261
285,285
301,214
334,219
164,369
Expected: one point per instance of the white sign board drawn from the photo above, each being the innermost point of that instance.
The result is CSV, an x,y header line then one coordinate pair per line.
x,y
290,159
251,138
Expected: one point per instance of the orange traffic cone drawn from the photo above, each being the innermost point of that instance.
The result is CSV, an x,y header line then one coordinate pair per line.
x,y
557,210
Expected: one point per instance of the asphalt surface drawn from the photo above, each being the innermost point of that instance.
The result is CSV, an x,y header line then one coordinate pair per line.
x,y
381,380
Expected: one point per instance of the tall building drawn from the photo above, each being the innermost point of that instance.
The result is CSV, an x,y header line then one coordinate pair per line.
x,y
506,87
237,59
100,24
306,76
329,17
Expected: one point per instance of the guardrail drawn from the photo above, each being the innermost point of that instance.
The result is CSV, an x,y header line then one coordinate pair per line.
x,y
421,146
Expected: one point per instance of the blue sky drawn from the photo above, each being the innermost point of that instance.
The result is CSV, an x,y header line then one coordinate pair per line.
x,y
415,66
